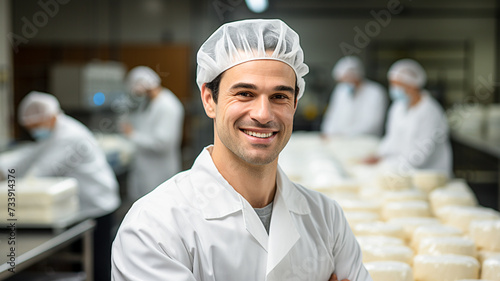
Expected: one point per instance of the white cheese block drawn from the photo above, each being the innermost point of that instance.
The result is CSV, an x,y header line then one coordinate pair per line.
x,y
353,218
42,200
484,255
387,253
461,216
447,245
369,240
404,195
491,268
389,271
427,180
358,205
486,234
379,229
434,230
393,181
409,224
442,197
405,209
445,268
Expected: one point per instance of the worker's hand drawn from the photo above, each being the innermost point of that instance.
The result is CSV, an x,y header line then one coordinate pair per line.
x,y
372,160
127,129
334,278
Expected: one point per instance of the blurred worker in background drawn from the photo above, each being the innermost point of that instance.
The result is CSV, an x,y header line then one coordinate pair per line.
x,y
417,129
155,129
357,105
66,148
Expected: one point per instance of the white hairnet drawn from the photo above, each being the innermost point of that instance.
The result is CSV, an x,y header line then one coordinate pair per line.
x,y
409,72
142,78
241,41
349,65
37,107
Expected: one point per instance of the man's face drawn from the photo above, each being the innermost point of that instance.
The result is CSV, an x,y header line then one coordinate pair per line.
x,y
253,117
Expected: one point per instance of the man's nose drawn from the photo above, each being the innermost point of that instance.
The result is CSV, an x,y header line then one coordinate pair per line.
x,y
262,110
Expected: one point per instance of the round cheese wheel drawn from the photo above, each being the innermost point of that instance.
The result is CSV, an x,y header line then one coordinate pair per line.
x,y
405,209
434,230
447,245
441,197
491,268
409,224
461,216
369,240
389,271
404,195
379,229
445,268
393,181
427,180
353,217
387,253
486,234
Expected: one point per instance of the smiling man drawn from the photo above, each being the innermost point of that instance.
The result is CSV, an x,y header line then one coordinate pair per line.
x,y
235,215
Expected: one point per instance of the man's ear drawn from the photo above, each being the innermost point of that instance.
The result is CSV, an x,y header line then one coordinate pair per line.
x,y
208,101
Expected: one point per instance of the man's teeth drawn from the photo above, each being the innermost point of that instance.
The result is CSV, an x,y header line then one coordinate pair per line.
x,y
258,135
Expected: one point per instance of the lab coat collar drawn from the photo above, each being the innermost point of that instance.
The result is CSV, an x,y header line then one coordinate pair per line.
x,y
217,198
212,193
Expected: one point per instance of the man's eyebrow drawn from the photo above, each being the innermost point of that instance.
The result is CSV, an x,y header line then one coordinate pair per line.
x,y
244,85
280,88
283,88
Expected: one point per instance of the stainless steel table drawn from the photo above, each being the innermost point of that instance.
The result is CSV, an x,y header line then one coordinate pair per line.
x,y
34,245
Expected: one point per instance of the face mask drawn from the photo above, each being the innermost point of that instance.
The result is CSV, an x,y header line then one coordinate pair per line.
x,y
40,134
398,95
347,87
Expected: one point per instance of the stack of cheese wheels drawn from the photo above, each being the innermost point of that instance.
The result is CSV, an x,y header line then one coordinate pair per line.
x,y
380,229
445,267
399,253
447,245
442,197
486,234
370,240
410,224
393,181
491,268
405,209
355,217
427,180
389,271
433,230
461,216
403,196
360,205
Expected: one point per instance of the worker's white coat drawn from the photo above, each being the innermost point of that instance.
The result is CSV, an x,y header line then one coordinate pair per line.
x,y
417,137
157,138
72,151
197,227
361,114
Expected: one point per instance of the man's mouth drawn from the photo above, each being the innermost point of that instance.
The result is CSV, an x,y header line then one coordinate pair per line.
x,y
258,135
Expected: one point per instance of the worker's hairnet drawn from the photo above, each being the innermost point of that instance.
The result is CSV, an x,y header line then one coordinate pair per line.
x,y
409,72
241,41
37,107
142,78
349,65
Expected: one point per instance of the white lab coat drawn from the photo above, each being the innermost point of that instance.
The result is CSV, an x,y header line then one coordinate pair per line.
x,y
361,114
72,151
417,138
197,227
157,138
